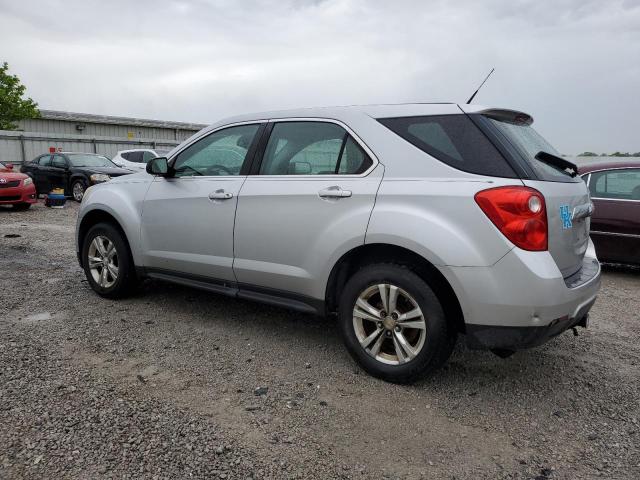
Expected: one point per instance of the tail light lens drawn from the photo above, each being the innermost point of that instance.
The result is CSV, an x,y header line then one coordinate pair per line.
x,y
519,213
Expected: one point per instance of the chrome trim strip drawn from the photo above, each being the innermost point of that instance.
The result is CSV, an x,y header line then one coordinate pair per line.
x,y
614,234
615,199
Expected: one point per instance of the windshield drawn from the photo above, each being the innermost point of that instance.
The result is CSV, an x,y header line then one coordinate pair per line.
x,y
86,160
529,143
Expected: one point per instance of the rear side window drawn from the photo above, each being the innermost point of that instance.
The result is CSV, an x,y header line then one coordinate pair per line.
x,y
135,157
312,148
623,184
454,140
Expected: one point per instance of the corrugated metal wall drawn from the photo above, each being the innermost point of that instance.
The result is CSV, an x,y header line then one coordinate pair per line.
x,y
38,136
41,125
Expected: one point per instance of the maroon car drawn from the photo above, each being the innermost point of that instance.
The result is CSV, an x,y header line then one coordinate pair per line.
x,y
615,223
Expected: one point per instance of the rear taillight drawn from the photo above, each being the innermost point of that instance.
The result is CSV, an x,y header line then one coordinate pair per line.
x,y
519,213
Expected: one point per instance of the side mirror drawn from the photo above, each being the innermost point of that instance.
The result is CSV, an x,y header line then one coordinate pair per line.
x,y
158,166
8,166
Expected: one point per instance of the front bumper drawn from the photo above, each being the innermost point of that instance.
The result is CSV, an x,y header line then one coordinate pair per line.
x,y
19,194
523,300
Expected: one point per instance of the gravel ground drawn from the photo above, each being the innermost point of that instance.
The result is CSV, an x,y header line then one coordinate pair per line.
x,y
176,383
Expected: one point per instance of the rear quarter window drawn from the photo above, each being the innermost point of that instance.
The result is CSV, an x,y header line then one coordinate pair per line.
x,y
454,140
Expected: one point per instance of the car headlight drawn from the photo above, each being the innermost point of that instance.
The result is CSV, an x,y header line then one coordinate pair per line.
x,y
99,177
27,181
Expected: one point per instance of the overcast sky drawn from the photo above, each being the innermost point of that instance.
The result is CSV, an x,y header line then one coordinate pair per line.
x,y
572,64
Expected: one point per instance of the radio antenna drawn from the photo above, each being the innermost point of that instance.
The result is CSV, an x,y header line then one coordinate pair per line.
x,y
476,92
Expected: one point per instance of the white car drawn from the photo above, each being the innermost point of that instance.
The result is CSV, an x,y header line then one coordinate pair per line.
x,y
410,223
136,159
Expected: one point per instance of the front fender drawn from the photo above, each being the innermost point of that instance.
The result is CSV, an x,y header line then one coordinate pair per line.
x,y
123,201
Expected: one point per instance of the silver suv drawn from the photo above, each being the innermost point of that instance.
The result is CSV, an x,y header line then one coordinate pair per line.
x,y
411,223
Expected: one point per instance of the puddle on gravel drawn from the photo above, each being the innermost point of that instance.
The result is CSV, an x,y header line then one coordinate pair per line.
x,y
37,317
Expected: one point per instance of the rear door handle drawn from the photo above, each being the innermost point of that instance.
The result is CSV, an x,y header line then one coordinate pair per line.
x,y
334,192
220,195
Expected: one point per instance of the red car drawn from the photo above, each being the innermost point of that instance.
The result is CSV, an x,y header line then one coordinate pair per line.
x,y
16,188
615,223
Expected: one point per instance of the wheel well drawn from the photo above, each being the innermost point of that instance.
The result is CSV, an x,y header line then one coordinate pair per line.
x,y
94,217
355,259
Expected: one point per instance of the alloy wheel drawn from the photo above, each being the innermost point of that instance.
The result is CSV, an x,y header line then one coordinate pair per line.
x,y
78,191
103,261
389,324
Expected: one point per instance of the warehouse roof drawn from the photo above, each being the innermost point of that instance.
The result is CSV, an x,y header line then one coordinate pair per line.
x,y
139,122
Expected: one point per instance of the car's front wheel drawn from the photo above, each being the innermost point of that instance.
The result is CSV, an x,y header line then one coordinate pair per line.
x,y
77,190
393,323
107,262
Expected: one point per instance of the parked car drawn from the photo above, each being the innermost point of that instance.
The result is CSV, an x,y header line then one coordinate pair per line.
x,y
615,222
411,223
16,188
137,159
74,172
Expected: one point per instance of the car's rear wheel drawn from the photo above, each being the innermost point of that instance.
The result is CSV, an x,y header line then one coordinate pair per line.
x,y
77,190
393,324
107,262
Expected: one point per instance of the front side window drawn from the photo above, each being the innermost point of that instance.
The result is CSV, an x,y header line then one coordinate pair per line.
x,y
59,161
220,153
45,161
312,148
621,184
454,140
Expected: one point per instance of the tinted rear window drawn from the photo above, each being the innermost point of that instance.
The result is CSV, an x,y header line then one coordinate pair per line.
x,y
454,140
529,142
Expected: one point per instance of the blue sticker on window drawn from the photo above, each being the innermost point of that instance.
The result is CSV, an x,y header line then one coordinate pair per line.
x,y
565,216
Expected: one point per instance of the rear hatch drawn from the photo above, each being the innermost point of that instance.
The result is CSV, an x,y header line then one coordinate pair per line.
x,y
566,196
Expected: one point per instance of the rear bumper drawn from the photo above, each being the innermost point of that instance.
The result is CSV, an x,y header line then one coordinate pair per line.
x,y
21,194
523,300
483,337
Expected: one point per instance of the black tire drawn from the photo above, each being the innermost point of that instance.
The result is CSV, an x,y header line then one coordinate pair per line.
x,y
126,282
81,184
440,336
21,206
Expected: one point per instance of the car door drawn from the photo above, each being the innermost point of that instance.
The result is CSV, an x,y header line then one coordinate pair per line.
x,y
187,220
59,172
31,169
309,196
41,174
615,223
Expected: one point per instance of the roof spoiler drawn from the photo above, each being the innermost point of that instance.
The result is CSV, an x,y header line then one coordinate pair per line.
x,y
509,116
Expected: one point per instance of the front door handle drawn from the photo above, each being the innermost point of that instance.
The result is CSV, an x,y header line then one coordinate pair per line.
x,y
334,192
220,195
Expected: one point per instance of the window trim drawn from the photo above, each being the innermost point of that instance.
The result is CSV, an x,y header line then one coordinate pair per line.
x,y
64,157
588,174
50,155
255,167
248,161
